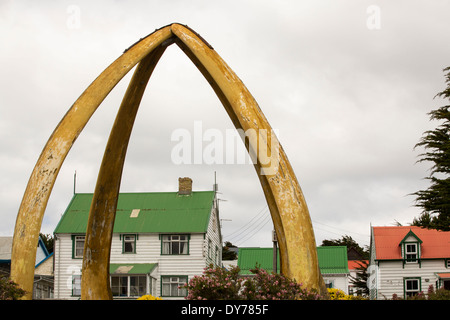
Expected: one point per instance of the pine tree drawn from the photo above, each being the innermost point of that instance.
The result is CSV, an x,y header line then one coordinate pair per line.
x,y
360,280
435,201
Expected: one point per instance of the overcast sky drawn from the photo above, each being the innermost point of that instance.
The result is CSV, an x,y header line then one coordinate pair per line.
x,y
347,84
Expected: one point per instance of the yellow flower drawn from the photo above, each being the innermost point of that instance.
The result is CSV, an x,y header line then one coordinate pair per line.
x,y
336,294
148,297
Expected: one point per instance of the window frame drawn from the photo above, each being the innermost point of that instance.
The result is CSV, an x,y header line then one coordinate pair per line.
x,y
210,249
128,286
411,256
405,286
329,283
124,242
217,256
411,239
76,293
180,292
75,240
170,239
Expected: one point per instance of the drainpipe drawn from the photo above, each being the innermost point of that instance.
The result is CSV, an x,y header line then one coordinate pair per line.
x,y
274,240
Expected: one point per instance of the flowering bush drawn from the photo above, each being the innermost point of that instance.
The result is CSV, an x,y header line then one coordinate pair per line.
x,y
439,294
9,290
274,286
148,297
221,284
215,284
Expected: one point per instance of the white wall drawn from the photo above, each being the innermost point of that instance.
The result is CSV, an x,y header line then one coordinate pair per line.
x,y
339,281
391,275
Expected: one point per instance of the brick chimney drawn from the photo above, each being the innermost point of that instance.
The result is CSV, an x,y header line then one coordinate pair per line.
x,y
184,186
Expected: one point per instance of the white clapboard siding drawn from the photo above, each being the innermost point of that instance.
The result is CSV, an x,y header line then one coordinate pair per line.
x,y
391,275
214,235
148,250
65,266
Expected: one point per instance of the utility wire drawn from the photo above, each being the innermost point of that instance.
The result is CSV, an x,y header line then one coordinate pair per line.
x,y
248,236
364,235
260,212
259,220
247,225
342,230
255,228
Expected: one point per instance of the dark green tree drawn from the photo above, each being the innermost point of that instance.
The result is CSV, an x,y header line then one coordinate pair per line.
x,y
435,201
48,241
360,280
349,243
228,254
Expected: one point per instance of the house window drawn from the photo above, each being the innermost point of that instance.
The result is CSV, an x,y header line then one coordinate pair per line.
x,y
119,286
175,244
329,283
76,285
78,246
129,243
209,248
171,286
411,253
42,291
217,255
129,286
447,263
412,286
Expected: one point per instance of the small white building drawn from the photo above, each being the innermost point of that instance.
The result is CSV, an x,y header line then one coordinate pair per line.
x,y
406,260
160,241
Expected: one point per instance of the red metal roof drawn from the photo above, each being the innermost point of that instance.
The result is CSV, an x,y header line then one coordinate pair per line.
x,y
435,244
355,264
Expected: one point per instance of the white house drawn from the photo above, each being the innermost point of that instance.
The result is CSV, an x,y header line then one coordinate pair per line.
x,y
160,241
407,260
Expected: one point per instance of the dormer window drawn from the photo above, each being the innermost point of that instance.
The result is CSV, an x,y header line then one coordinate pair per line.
x,y
411,252
411,248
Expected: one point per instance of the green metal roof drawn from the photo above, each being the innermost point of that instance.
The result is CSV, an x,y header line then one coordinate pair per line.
x,y
331,259
131,268
158,212
248,258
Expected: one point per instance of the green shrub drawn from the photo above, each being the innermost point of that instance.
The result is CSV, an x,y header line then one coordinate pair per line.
x,y
439,294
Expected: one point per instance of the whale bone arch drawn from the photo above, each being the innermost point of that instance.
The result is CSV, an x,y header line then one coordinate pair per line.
x,y
290,215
